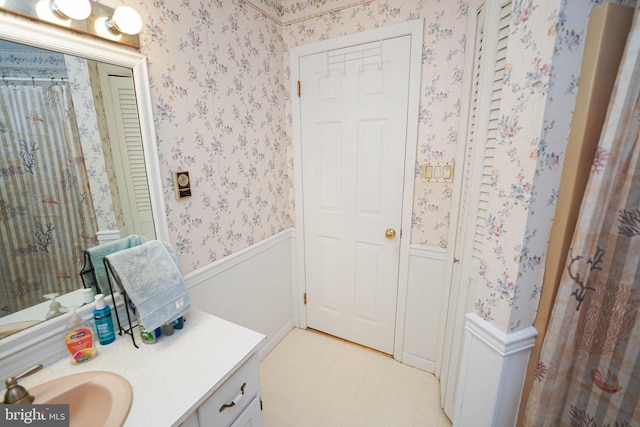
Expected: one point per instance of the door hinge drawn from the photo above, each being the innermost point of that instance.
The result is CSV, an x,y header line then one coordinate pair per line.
x,y
304,298
298,88
261,408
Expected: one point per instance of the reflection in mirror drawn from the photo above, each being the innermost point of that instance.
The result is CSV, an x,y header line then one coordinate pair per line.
x,y
72,175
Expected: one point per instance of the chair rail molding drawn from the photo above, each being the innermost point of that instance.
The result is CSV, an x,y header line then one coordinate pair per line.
x,y
492,373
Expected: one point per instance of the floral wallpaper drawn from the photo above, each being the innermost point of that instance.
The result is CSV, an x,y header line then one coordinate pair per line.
x,y
219,76
220,81
219,92
545,47
441,85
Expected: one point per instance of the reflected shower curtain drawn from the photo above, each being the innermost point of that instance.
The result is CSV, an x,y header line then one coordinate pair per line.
x,y
589,371
46,212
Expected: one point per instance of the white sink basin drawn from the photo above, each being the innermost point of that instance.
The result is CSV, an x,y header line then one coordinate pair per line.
x,y
95,398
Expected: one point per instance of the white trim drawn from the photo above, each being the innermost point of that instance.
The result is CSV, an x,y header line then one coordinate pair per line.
x,y
297,291
20,30
205,273
271,343
502,343
415,30
429,252
492,373
418,362
105,236
425,282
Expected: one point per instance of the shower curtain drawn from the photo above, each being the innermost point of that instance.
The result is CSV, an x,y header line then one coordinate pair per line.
x,y
588,374
46,212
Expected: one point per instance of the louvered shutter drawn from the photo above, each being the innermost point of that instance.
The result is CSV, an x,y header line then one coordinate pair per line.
x,y
472,124
490,140
125,137
489,31
126,99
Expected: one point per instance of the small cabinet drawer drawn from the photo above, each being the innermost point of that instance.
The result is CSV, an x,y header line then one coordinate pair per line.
x,y
250,417
224,406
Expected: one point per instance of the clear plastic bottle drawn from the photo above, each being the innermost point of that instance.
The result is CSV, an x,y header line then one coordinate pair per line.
x,y
104,321
79,339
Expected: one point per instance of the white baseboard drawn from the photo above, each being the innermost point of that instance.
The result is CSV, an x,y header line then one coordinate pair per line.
x,y
492,373
275,340
419,362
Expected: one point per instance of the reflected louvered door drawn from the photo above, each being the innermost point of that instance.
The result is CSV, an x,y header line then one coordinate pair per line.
x,y
490,24
128,154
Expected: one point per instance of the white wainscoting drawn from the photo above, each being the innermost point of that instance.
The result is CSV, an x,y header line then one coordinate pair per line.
x,y
251,287
423,312
107,236
492,373
255,288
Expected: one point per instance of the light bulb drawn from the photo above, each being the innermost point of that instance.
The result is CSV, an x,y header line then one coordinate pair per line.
x,y
103,29
125,20
44,12
72,9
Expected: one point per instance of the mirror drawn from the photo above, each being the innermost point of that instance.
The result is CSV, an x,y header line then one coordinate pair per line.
x,y
95,181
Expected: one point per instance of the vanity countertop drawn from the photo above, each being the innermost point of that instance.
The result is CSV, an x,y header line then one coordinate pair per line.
x,y
172,377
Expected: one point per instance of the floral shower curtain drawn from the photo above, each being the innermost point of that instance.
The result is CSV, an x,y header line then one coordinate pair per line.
x,y
589,371
46,212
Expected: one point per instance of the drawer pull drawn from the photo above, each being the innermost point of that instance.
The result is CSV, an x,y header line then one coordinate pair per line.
x,y
235,400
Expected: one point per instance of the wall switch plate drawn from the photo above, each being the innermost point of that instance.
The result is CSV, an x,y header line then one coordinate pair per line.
x,y
182,184
437,172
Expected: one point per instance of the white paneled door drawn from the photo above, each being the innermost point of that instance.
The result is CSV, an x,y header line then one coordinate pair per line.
x,y
354,136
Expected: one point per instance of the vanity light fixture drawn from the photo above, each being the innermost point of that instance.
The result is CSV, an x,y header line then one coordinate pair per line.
x,y
71,9
121,25
125,20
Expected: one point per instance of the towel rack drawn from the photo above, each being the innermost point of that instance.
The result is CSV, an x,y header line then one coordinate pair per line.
x,y
121,329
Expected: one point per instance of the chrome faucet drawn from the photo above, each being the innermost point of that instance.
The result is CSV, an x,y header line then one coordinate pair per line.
x,y
16,393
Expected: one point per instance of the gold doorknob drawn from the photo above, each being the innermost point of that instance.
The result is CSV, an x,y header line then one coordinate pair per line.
x,y
390,233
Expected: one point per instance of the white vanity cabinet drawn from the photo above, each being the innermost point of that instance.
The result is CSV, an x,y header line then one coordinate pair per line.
x,y
235,403
184,379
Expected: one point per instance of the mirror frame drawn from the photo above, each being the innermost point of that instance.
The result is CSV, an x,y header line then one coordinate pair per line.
x,y
41,343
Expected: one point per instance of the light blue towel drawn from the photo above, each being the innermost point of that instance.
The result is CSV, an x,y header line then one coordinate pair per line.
x,y
150,276
98,252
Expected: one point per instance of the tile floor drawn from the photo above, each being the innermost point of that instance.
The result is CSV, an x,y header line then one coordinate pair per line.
x,y
311,379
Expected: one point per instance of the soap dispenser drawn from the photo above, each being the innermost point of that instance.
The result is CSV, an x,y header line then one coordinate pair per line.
x,y
79,339
55,308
